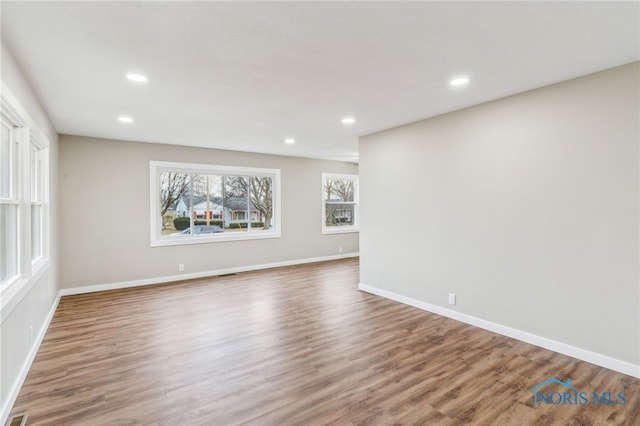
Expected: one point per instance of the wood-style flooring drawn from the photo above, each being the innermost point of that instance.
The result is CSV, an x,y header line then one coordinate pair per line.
x,y
293,346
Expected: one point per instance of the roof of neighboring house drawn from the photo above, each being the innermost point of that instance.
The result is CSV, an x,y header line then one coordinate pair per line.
x,y
198,199
234,204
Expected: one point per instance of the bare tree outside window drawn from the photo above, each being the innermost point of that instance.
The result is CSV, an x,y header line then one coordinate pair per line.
x,y
253,194
262,198
173,186
338,190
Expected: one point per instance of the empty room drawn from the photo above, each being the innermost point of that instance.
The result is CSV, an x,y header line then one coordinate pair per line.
x,y
319,213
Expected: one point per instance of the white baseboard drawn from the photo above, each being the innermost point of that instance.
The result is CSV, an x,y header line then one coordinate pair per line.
x,y
180,277
17,385
543,342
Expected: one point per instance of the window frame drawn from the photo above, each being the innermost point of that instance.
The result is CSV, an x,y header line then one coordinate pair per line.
x,y
328,230
38,193
157,167
13,204
26,135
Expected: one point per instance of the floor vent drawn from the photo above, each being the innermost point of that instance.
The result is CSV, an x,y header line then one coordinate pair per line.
x,y
19,420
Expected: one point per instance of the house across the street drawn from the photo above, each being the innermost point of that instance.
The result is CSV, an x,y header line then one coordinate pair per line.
x,y
232,210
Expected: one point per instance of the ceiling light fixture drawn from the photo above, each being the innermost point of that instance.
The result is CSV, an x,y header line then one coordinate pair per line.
x,y
138,78
348,120
460,81
125,119
289,141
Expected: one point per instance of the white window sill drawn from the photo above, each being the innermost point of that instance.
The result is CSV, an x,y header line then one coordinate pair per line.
x,y
215,238
341,230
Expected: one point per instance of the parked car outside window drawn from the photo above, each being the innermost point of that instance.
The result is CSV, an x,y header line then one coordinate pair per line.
x,y
202,229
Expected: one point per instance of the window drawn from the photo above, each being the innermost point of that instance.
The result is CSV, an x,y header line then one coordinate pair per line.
x,y
339,203
200,203
9,204
36,191
24,187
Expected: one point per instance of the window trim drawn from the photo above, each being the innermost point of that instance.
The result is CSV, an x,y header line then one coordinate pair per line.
x,y
156,167
13,204
40,199
28,134
328,230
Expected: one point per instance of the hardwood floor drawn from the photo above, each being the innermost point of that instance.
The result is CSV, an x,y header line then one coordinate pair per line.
x,y
293,346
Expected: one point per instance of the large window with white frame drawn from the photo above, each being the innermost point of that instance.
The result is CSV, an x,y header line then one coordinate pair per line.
x,y
9,204
24,209
340,194
202,203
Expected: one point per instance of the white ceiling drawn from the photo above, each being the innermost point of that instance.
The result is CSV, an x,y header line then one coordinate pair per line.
x,y
247,75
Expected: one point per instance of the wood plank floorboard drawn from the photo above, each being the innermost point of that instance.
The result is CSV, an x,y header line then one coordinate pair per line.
x,y
293,346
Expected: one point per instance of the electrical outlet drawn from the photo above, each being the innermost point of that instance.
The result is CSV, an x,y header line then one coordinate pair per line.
x,y
181,267
452,299
340,249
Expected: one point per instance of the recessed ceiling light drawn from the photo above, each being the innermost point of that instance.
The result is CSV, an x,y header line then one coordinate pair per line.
x,y
125,119
138,78
459,81
289,141
348,120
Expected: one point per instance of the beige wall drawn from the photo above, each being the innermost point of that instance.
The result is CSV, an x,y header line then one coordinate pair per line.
x,y
527,208
104,190
32,310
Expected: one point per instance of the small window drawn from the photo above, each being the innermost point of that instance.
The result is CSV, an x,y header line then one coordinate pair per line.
x,y
24,186
36,192
200,203
339,203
